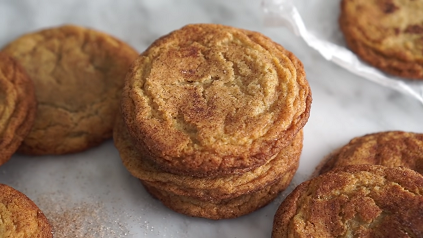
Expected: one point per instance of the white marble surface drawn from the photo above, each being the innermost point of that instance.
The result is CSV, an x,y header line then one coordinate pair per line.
x,y
344,106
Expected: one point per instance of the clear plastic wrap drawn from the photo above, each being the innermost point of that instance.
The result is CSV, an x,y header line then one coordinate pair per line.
x,y
322,34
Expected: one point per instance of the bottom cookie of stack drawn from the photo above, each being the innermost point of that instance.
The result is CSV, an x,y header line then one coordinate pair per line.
x,y
226,208
220,197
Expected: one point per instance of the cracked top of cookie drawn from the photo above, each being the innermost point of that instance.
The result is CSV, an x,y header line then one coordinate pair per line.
x,y
386,33
17,106
389,148
78,75
354,201
212,99
20,217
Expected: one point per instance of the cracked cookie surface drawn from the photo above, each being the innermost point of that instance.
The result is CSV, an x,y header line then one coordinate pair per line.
x,y
211,99
78,75
387,34
17,106
20,217
354,201
390,148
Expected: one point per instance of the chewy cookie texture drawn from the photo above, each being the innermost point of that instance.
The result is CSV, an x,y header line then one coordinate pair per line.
x,y
220,197
390,148
354,201
211,99
20,217
387,34
17,106
207,188
78,75
211,120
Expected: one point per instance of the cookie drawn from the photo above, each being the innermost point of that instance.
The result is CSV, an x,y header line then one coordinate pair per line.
x,y
208,100
387,34
78,75
20,217
390,148
223,209
17,106
354,201
211,189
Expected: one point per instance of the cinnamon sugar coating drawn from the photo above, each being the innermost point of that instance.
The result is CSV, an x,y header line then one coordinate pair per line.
x,y
17,106
20,217
387,34
226,208
389,148
212,100
78,75
210,189
354,201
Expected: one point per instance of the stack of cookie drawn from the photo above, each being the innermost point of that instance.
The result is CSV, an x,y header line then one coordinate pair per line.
x,y
212,120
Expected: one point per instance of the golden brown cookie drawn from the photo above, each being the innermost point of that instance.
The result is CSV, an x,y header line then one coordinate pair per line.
x,y
226,208
354,201
387,34
20,217
212,100
17,106
206,188
390,148
78,75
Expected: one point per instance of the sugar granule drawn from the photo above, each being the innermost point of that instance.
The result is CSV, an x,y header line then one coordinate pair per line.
x,y
82,219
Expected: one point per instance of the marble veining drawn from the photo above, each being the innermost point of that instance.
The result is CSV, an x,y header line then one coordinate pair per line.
x,y
344,106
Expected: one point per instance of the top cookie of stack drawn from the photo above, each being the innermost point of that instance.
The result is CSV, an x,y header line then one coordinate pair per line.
x,y
210,100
